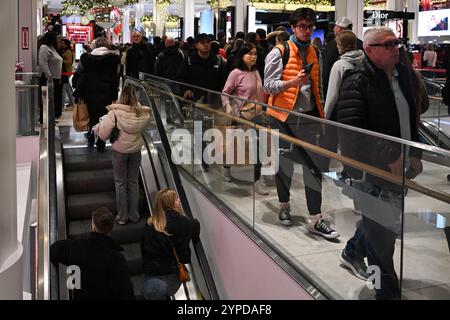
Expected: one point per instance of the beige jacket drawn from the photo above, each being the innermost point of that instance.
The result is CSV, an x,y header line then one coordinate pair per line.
x,y
130,125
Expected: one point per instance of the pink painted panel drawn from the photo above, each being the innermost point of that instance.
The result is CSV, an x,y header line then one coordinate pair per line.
x,y
240,268
27,150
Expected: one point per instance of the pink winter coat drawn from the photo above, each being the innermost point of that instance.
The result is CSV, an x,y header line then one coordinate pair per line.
x,y
130,125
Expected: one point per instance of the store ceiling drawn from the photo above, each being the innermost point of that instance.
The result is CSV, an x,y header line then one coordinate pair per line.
x,y
200,5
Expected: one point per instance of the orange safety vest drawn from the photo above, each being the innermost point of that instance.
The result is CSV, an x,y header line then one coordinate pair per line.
x,y
286,99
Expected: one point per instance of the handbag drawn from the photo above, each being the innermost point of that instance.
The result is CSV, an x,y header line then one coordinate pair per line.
x,y
80,117
183,272
115,131
251,110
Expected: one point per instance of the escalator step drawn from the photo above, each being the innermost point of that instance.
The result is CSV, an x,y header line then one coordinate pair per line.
x,y
129,233
137,286
132,253
79,159
89,181
81,206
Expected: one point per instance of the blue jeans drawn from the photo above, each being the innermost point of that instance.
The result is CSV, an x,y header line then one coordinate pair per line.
x,y
160,287
375,236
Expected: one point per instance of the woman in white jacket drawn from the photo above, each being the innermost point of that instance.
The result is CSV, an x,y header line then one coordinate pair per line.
x,y
350,58
132,119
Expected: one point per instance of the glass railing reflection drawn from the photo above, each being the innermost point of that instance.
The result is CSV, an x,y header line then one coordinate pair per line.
x,y
358,180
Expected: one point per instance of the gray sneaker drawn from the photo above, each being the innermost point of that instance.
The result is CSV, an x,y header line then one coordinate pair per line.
x,y
285,216
261,187
357,266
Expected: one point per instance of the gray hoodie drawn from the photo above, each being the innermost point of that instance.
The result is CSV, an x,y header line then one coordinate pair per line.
x,y
348,60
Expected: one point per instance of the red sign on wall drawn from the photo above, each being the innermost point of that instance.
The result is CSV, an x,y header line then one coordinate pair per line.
x,y
25,38
80,34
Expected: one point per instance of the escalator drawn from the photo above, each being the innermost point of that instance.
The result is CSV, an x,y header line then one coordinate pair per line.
x,y
433,134
89,185
84,182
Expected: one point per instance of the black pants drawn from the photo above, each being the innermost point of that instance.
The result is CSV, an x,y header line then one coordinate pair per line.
x,y
57,96
312,164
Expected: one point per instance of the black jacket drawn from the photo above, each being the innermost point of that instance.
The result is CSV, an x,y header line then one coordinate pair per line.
x,y
157,251
104,271
206,73
330,56
98,82
140,58
169,63
366,100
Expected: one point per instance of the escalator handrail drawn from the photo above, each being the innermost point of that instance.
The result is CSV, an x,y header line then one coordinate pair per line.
x,y
367,132
380,173
199,250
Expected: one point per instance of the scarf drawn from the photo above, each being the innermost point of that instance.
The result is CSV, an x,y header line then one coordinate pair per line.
x,y
300,45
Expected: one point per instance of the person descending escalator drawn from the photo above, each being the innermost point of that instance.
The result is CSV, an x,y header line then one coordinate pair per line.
x,y
123,125
167,232
103,268
98,84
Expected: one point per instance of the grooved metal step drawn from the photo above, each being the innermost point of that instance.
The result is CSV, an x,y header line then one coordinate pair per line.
x,y
93,181
82,159
129,233
133,255
80,206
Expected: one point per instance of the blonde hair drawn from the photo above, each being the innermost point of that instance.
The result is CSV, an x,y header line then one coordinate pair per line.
x,y
165,200
128,97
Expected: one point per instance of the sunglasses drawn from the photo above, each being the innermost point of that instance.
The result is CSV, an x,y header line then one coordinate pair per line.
x,y
388,45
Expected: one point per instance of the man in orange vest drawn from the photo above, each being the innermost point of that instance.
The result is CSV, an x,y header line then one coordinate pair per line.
x,y
295,87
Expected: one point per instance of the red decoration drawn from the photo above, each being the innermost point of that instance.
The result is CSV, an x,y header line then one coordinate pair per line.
x,y
25,38
426,5
118,29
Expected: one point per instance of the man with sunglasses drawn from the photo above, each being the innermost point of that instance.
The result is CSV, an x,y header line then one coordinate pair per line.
x,y
295,88
377,96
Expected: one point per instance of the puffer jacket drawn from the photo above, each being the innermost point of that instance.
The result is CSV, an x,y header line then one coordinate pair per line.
x,y
130,125
366,101
348,60
98,82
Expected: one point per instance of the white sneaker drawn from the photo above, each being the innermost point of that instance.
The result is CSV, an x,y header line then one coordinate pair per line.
x,y
261,187
227,174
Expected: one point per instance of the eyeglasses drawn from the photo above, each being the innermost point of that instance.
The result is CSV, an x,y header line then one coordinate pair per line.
x,y
303,27
388,45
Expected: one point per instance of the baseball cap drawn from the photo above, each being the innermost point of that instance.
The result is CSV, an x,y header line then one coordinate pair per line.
x,y
202,36
140,30
344,22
